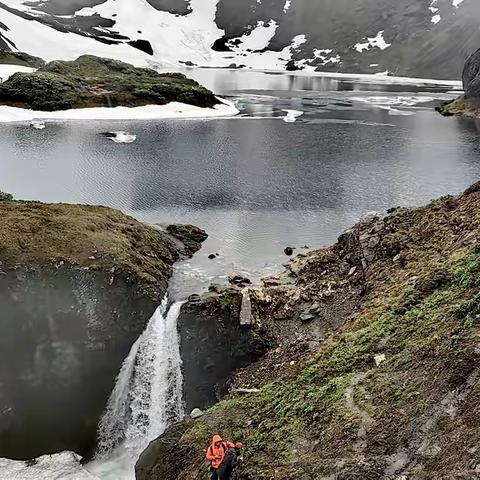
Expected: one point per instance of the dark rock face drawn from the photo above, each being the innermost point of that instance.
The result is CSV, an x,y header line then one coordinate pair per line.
x,y
63,335
214,344
163,458
471,76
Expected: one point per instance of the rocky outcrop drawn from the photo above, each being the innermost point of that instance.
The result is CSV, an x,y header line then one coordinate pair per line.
x,y
77,286
214,343
99,82
467,104
471,76
20,58
374,374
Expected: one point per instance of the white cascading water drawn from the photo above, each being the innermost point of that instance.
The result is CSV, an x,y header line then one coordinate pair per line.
x,y
147,397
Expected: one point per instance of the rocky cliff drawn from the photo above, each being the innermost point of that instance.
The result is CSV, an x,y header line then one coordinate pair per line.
x,y
77,286
375,370
468,104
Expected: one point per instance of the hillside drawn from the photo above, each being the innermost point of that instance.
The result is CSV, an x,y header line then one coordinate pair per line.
x,y
428,38
376,374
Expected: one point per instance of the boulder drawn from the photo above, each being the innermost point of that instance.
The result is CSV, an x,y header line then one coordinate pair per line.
x,y
471,76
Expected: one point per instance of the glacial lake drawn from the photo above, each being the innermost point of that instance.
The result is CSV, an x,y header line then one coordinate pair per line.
x,y
254,182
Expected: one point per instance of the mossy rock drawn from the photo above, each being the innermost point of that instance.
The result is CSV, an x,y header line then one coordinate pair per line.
x,y
91,81
5,197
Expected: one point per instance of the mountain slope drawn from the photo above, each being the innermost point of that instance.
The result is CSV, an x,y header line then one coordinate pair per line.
x,y
424,38
391,394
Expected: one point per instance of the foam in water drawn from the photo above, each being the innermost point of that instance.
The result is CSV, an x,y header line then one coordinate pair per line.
x,y
146,398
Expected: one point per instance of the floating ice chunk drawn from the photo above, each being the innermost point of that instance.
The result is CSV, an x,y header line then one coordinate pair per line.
x,y
436,19
374,42
37,124
121,137
292,115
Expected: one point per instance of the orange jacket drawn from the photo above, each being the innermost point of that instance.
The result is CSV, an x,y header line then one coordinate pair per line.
x,y
217,450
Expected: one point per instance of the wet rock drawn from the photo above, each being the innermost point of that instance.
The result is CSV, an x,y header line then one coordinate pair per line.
x,y
238,280
190,236
212,256
288,251
194,298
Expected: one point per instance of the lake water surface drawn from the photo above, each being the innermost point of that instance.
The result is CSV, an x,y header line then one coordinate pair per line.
x,y
254,182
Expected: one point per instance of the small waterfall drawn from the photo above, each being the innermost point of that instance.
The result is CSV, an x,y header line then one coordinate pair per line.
x,y
147,396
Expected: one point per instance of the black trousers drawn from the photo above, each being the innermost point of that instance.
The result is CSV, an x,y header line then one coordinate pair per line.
x,y
222,473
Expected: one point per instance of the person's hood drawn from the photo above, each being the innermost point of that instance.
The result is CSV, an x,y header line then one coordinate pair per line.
x,y
215,439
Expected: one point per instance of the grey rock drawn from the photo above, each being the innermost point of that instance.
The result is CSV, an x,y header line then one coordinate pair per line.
x,y
307,317
196,413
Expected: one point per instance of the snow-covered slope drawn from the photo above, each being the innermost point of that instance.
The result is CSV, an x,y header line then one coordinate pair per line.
x,y
424,38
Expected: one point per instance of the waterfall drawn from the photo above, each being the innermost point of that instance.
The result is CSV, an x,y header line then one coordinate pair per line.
x,y
147,396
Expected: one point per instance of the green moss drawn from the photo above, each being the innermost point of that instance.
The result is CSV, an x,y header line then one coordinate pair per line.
x,y
5,197
99,82
34,233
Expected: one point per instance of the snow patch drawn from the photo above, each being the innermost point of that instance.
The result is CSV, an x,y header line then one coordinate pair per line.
x,y
259,38
60,466
6,71
325,57
292,115
436,19
288,4
374,42
171,110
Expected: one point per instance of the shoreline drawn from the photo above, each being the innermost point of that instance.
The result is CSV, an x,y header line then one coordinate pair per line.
x,y
172,110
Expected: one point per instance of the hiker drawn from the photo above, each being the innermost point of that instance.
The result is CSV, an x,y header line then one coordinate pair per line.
x,y
223,457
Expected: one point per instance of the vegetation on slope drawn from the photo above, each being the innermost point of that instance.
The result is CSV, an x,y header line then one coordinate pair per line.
x,y
36,234
393,394
91,81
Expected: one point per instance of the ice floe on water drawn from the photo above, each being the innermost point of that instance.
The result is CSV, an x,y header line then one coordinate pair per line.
x,y
292,115
148,112
121,137
399,100
37,124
